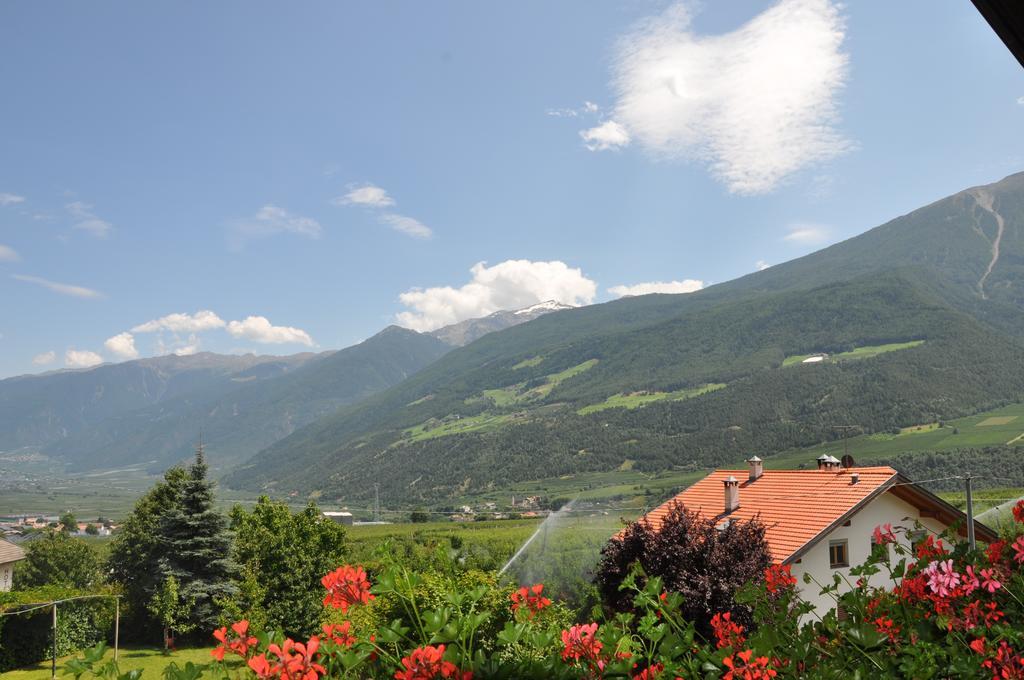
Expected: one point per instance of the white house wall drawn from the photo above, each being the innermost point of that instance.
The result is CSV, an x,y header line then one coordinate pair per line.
x,y
885,509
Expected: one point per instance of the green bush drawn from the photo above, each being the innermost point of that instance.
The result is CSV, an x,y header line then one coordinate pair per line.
x,y
28,638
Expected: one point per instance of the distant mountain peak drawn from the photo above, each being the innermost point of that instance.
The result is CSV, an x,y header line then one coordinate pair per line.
x,y
543,307
465,332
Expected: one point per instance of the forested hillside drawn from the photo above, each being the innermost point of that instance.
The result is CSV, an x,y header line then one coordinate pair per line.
x,y
694,380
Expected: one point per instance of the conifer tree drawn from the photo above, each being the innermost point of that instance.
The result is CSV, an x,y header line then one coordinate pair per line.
x,y
197,547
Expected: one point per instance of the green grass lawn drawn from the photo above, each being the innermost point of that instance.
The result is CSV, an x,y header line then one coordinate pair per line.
x,y
151,661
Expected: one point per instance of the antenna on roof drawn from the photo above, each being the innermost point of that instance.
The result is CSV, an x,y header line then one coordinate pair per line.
x,y
846,444
847,461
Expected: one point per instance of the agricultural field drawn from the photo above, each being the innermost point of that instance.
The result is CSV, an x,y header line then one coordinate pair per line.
x,y
999,427
638,399
865,352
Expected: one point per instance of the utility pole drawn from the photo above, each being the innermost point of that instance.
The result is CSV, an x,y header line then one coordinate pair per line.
x,y
844,429
970,514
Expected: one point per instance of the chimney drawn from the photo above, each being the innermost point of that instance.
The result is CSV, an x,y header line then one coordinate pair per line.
x,y
732,493
756,468
854,477
822,461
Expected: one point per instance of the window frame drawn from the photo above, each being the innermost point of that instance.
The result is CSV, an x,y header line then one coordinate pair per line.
x,y
844,544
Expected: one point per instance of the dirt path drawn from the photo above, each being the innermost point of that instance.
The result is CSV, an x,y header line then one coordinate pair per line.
x,y
985,201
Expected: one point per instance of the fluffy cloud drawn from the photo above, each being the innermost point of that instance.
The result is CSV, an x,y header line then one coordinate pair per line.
x,y
367,195
669,287
10,199
62,288
1020,100
807,234
86,220
270,220
75,358
512,284
407,225
122,346
756,104
202,320
606,136
44,358
8,254
259,329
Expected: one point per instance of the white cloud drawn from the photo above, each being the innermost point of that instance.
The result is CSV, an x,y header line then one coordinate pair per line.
x,y
669,287
202,320
407,225
512,284
8,254
75,358
761,265
45,358
87,220
10,199
587,108
259,329
1020,100
807,234
606,136
122,346
270,220
62,288
367,195
756,104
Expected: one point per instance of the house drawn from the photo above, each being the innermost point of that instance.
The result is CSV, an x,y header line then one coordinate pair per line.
x,y
821,522
9,554
339,517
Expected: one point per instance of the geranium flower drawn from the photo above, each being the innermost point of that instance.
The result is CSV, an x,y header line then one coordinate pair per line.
x,y
883,534
745,669
978,645
346,586
426,663
778,577
942,578
988,580
580,642
1006,664
650,673
297,659
1018,511
339,633
971,582
994,552
1018,548
263,668
237,642
529,599
887,627
728,633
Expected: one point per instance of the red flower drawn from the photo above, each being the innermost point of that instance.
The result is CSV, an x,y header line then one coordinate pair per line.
x,y
1018,511
346,586
297,660
884,535
746,669
929,547
580,642
339,633
425,663
239,642
1006,664
529,599
727,632
994,552
778,577
1018,548
263,668
887,627
650,673
978,645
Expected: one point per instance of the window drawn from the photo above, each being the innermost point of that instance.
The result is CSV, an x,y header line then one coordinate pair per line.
x,y
916,537
838,554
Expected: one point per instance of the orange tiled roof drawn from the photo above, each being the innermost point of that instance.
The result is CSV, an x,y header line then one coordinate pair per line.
x,y
795,505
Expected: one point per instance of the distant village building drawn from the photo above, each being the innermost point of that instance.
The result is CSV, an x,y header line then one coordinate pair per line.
x,y
9,555
340,517
815,359
821,521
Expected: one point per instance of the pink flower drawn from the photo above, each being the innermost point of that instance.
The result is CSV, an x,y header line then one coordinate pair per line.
x,y
971,582
1018,547
884,535
988,580
942,578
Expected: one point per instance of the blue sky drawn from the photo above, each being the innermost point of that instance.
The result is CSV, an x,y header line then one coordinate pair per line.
x,y
308,173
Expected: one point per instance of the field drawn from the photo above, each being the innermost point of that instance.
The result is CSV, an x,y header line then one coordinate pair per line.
x,y
151,661
638,399
865,352
1000,427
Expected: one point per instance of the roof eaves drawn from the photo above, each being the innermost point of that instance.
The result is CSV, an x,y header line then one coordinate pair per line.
x,y
984,531
880,489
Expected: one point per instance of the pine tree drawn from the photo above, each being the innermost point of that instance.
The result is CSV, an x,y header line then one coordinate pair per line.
x,y
197,548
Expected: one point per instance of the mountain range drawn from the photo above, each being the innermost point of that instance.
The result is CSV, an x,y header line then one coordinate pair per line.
x,y
921,318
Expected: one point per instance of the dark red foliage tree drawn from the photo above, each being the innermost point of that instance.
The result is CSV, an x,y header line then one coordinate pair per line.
x,y
704,561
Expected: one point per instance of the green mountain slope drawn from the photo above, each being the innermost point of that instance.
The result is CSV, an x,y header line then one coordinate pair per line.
x,y
253,414
504,408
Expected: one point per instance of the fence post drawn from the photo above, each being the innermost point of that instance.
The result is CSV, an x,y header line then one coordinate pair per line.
x,y
53,658
117,623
